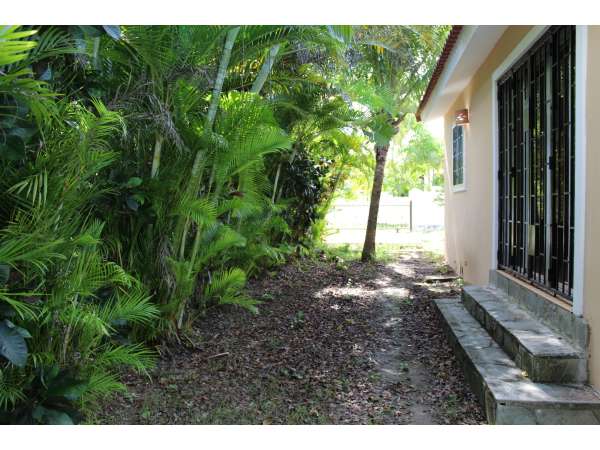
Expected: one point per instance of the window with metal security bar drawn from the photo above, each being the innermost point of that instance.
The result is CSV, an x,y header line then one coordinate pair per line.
x,y
458,157
536,111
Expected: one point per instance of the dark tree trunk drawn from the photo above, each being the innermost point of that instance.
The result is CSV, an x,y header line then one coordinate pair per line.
x,y
368,252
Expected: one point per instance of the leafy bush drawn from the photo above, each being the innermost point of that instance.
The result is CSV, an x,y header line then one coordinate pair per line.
x,y
146,173
65,311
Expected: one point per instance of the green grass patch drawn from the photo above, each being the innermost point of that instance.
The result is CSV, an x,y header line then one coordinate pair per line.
x,y
352,252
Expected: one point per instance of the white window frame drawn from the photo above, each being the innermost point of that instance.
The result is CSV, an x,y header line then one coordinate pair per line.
x,y
581,49
463,186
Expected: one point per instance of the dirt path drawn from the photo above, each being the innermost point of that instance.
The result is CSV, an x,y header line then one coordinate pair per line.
x,y
335,343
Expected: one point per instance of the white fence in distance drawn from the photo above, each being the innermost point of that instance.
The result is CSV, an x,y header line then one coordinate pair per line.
x,y
420,211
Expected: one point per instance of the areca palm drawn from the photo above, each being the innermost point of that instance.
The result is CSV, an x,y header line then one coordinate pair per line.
x,y
62,296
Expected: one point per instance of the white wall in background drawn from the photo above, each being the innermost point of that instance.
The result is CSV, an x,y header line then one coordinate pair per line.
x,y
427,213
428,209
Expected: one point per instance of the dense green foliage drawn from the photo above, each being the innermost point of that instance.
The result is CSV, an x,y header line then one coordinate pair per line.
x,y
146,172
415,162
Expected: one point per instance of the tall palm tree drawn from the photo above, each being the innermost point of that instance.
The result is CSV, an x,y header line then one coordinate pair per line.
x,y
388,68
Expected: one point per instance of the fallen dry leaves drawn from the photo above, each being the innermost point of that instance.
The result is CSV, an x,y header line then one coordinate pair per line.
x,y
340,345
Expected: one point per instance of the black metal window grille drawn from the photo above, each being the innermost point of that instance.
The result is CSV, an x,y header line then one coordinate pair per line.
x,y
458,175
536,124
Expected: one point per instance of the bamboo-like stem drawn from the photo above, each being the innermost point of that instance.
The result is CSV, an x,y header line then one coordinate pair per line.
x,y
156,157
265,70
195,249
154,170
192,190
276,182
218,87
210,119
95,51
275,197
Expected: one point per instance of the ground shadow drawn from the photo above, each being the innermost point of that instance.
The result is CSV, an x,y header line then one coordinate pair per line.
x,y
336,341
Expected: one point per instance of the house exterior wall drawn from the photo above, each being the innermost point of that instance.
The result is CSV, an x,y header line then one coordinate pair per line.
x,y
591,280
470,214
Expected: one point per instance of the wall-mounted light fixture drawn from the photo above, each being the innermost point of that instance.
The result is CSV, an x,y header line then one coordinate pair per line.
x,y
461,117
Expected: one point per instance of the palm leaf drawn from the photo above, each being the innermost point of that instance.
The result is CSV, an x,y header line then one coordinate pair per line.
x,y
13,47
133,306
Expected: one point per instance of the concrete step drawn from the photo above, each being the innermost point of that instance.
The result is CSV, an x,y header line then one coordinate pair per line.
x,y
542,353
559,319
508,396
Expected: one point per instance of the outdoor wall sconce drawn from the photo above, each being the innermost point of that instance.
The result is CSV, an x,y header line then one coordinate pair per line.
x,y
461,116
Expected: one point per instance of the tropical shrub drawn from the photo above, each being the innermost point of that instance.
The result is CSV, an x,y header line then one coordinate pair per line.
x,y
146,172
66,311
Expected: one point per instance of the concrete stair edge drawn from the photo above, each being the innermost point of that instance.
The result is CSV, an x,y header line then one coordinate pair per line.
x,y
507,395
544,354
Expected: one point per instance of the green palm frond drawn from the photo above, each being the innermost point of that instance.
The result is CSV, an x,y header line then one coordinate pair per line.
x,y
96,130
28,249
250,128
13,46
265,140
91,235
136,356
152,46
33,188
20,86
11,388
240,208
102,383
83,319
201,210
133,306
90,273
17,302
17,84
225,288
343,33
216,241
242,301
51,43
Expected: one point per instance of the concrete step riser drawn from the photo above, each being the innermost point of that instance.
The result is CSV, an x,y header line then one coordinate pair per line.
x,y
509,398
559,319
540,369
472,376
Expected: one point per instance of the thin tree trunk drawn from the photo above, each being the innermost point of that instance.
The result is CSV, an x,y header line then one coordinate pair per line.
x,y
265,69
155,167
210,120
218,87
368,252
257,87
276,182
156,157
95,51
291,160
197,169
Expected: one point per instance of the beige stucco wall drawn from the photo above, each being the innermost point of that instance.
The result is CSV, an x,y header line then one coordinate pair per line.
x,y
469,213
591,292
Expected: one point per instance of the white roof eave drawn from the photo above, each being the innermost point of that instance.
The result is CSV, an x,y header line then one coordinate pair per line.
x,y
471,49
